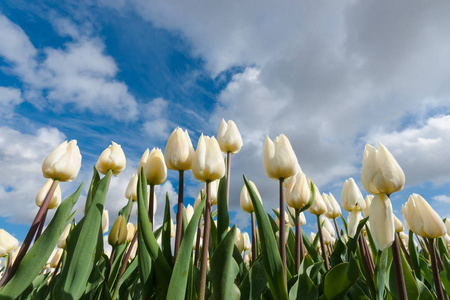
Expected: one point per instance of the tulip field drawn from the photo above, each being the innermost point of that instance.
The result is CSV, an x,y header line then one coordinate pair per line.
x,y
372,256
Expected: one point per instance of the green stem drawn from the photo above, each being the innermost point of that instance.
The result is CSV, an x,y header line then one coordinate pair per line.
x,y
202,283
228,176
150,204
180,208
282,233
254,240
337,228
322,244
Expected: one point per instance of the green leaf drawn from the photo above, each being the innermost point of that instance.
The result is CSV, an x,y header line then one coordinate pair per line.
x,y
340,279
303,288
84,246
414,256
253,284
352,243
381,273
224,269
412,290
162,270
339,250
36,258
125,211
178,282
269,249
445,275
223,219
165,238
92,188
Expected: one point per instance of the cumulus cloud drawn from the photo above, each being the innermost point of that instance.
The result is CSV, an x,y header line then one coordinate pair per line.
x,y
80,73
9,99
442,198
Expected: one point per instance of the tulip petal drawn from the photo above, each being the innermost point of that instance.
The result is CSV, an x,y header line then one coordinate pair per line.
x,y
382,221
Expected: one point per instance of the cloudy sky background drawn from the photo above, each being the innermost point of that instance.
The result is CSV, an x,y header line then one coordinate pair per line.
x,y
331,76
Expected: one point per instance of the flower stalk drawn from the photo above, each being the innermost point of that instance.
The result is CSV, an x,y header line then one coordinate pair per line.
x,y
282,229
202,284
434,267
322,244
254,241
180,209
396,260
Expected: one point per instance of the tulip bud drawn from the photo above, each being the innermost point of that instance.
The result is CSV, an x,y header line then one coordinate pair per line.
x,y
368,201
189,210
214,188
172,229
229,138
447,240
246,202
56,198
155,168
62,240
7,243
143,160
247,243
179,151
422,219
351,197
398,224
133,252
112,158
239,240
208,164
381,174
327,237
312,237
302,219
354,217
447,225
130,232
63,163
382,221
297,191
57,253
246,260
280,161
318,207
105,221
327,225
118,233
333,208
131,190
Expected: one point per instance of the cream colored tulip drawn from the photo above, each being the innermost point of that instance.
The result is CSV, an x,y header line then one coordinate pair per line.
x,y
7,243
208,164
63,163
318,207
247,243
119,232
422,219
333,208
189,210
381,174
105,221
56,198
327,225
172,229
447,225
246,202
130,231
280,161
131,190
239,240
327,237
298,191
382,221
62,239
143,161
351,197
354,217
229,138
398,224
179,151
368,201
155,168
112,158
56,257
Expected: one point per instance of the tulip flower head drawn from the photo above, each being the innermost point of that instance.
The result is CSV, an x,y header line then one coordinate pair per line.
x,y
105,221
56,256
318,207
143,160
381,174
112,158
327,225
247,243
398,224
130,231
208,164
368,201
246,202
297,191
155,167
131,190
280,161
189,210
422,219
119,232
63,163
7,243
56,198
354,217
179,151
382,221
239,240
351,197
229,138
333,208
62,239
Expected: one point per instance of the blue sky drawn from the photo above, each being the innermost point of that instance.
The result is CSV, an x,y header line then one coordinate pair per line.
x,y
332,77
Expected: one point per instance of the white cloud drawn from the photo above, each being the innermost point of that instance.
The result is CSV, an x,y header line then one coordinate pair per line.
x,y
157,115
442,198
80,73
9,99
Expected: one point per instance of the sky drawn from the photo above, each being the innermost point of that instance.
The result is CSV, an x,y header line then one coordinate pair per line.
x,y
332,76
